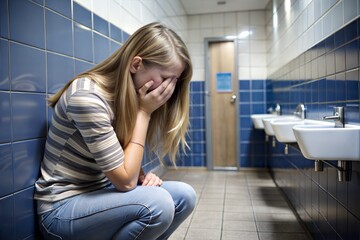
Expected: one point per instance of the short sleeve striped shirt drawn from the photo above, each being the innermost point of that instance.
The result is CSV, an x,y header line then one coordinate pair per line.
x,y
81,144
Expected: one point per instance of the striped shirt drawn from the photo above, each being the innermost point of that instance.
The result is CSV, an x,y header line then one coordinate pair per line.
x,y
81,144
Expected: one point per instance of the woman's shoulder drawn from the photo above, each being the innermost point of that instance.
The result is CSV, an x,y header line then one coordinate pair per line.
x,y
82,84
85,92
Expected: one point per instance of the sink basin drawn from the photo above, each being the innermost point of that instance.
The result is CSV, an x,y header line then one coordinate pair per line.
x,y
283,128
257,119
329,143
267,126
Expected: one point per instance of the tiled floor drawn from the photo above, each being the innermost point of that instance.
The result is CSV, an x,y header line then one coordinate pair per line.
x,y
236,205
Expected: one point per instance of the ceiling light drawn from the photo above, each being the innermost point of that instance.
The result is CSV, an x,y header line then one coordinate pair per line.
x,y
244,34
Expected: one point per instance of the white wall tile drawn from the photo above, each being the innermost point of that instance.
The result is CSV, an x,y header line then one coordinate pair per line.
x,y
244,46
244,73
257,18
243,18
206,21
193,22
217,20
198,74
86,4
257,32
102,8
258,73
244,59
258,46
230,20
258,60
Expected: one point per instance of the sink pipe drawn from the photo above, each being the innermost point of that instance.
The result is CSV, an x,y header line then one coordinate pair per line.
x,y
344,168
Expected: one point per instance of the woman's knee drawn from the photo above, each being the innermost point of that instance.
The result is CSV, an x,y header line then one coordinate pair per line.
x,y
162,207
188,196
183,195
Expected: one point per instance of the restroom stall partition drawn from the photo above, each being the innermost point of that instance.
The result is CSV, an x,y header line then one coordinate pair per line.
x,y
324,76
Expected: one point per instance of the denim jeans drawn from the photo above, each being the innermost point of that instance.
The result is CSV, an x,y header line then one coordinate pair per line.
x,y
143,213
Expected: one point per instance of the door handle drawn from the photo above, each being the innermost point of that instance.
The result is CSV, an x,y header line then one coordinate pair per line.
x,y
233,98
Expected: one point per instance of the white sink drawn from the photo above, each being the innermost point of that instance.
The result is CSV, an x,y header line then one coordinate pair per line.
x,y
329,143
283,128
257,119
267,126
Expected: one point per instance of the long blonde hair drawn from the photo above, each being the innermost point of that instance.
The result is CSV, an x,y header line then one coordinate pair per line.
x,y
156,45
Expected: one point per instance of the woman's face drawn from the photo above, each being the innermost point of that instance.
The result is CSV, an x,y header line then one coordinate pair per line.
x,y
156,74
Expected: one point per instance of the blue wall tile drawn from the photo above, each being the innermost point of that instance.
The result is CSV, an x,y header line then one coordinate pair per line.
x,y
60,70
28,115
81,66
24,214
6,170
5,117
115,33
352,58
82,15
340,59
61,6
125,36
4,23
244,85
27,68
27,23
102,50
83,43
27,153
59,36
101,25
7,227
114,46
4,65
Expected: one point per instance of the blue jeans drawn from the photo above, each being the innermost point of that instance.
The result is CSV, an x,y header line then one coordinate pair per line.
x,y
143,213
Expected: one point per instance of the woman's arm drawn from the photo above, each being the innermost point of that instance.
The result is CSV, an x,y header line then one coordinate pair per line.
x,y
125,177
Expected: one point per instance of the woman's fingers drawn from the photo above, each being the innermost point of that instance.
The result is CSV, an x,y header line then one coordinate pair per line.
x,y
157,97
143,90
152,180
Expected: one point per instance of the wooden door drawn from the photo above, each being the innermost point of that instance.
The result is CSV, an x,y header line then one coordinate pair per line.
x,y
223,104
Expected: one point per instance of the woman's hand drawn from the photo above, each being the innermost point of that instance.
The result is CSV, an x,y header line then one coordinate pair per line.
x,y
150,101
150,179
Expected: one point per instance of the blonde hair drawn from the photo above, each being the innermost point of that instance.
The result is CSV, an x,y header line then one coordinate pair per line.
x,y
156,45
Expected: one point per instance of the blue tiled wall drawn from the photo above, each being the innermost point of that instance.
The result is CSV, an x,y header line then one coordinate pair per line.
x,y
196,156
325,76
42,45
253,100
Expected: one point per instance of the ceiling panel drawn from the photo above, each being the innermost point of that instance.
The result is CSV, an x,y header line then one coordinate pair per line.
x,y
218,6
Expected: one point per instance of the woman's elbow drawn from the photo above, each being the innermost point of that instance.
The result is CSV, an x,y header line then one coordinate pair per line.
x,y
125,187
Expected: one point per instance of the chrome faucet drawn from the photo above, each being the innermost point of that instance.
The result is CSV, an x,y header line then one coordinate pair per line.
x,y
278,109
300,111
338,117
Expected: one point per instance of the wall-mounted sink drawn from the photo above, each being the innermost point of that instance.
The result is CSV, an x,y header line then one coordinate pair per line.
x,y
319,142
283,128
267,126
257,119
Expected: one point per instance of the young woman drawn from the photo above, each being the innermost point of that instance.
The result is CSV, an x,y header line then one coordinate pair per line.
x,y
92,185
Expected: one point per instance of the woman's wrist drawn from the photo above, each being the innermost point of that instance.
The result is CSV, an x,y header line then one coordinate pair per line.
x,y
144,114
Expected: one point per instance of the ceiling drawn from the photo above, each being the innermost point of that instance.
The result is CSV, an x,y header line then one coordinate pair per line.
x,y
217,6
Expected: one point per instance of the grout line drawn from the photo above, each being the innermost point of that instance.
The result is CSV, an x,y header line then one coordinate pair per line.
x,y
252,207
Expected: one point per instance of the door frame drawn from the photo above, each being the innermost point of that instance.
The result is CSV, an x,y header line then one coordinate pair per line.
x,y
208,107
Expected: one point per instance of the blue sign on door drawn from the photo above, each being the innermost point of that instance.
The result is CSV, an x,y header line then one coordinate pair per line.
x,y
223,82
